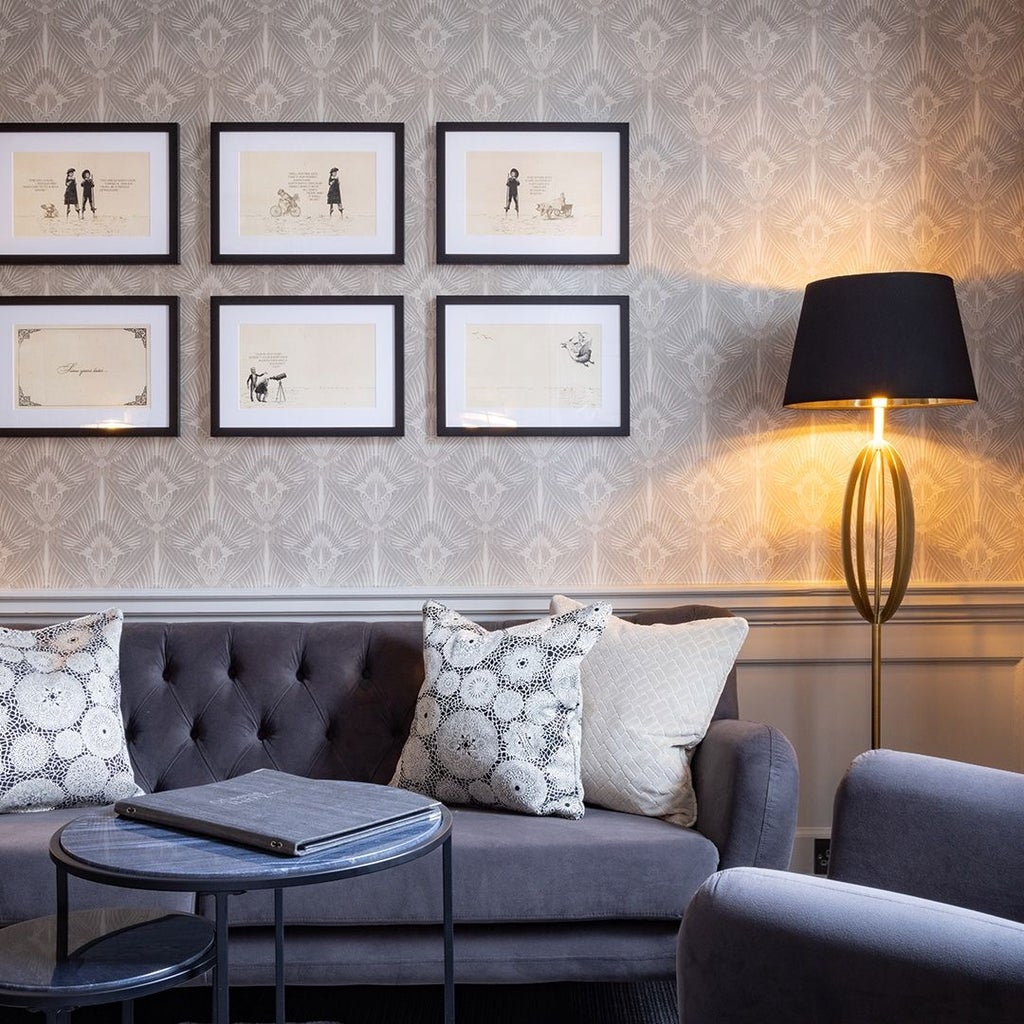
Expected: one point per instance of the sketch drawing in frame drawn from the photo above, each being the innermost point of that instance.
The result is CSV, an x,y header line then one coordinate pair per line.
x,y
533,365
92,366
544,192
89,193
307,366
307,192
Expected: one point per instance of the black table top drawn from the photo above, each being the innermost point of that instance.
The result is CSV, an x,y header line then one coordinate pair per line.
x,y
113,953
117,851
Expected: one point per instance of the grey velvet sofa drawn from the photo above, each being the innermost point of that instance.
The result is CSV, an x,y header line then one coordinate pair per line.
x,y
535,899
920,920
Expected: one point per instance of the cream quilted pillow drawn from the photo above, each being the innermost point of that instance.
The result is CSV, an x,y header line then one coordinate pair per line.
x,y
649,693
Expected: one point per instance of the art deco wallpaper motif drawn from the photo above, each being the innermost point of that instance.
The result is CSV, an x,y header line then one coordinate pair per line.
x,y
772,142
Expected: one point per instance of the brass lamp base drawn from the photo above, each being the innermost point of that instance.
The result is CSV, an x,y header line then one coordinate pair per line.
x,y
877,461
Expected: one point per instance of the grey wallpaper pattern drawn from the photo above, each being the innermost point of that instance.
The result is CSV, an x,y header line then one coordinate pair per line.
x,y
772,142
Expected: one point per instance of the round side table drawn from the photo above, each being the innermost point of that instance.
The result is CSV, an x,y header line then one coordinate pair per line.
x,y
102,847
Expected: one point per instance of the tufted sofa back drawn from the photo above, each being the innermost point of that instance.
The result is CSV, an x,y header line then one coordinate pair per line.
x,y
204,701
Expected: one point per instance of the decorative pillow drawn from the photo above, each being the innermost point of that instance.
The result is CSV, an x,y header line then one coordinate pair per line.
x,y
62,741
649,693
497,720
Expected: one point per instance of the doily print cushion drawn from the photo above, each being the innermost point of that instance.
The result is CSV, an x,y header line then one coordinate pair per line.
x,y
62,741
497,720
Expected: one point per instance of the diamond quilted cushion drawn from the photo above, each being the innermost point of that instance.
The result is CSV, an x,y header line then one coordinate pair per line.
x,y
648,696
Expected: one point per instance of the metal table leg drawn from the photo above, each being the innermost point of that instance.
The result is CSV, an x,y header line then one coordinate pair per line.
x,y
449,932
62,913
221,1007
279,956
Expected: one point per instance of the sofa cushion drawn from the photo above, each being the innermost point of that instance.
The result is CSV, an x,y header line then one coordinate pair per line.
x,y
28,888
649,692
498,719
516,868
62,741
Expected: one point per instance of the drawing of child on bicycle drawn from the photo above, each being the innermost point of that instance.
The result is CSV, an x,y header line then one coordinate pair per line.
x,y
287,205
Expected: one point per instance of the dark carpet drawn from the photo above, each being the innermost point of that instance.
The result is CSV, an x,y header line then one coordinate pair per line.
x,y
613,1003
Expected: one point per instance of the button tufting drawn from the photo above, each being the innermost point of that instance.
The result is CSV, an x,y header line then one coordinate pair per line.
x,y
195,732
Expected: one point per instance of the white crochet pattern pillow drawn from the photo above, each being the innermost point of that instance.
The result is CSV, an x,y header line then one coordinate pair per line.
x,y
649,693
62,741
497,720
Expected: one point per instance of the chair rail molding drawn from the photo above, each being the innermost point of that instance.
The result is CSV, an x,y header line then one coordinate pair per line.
x,y
973,616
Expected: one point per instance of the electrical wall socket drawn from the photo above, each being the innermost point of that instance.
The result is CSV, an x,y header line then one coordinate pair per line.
x,y
822,852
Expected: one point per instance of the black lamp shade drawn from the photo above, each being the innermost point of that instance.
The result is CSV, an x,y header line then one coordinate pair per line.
x,y
896,336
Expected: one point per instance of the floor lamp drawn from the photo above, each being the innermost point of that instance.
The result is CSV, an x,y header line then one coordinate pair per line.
x,y
879,341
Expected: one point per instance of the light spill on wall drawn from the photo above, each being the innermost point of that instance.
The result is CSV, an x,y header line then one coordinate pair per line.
x,y
772,143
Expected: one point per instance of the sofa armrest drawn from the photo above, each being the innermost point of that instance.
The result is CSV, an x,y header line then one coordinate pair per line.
x,y
746,780
942,830
760,946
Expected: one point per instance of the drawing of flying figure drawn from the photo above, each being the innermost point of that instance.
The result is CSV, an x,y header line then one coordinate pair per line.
x,y
71,193
512,190
334,192
88,185
580,348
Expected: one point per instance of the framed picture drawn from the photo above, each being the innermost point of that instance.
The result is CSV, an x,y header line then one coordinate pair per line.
x,y
307,192
89,193
533,365
307,366
545,192
96,365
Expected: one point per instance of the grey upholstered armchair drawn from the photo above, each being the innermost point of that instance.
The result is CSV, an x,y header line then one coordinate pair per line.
x,y
920,920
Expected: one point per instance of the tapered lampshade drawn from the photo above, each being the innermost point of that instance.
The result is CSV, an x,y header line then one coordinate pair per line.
x,y
896,336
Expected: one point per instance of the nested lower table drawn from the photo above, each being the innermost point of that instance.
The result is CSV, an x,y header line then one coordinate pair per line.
x,y
55,964
102,847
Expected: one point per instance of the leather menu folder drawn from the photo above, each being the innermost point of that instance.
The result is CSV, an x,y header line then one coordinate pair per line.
x,y
281,813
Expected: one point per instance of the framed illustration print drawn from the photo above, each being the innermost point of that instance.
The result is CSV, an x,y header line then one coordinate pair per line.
x,y
307,366
307,192
89,193
533,365
545,192
97,365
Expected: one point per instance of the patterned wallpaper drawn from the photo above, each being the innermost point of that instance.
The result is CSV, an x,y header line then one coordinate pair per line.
x,y
772,142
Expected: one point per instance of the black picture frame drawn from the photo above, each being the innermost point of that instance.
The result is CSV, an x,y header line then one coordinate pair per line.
x,y
89,192
546,365
569,203
332,351
270,185
90,366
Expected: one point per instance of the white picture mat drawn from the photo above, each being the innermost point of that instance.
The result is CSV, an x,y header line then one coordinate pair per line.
x,y
156,317
457,146
460,319
331,143
233,317
155,143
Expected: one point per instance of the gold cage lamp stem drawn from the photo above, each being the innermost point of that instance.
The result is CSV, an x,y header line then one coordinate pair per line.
x,y
877,461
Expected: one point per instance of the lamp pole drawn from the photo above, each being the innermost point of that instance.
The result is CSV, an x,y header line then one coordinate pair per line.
x,y
877,460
